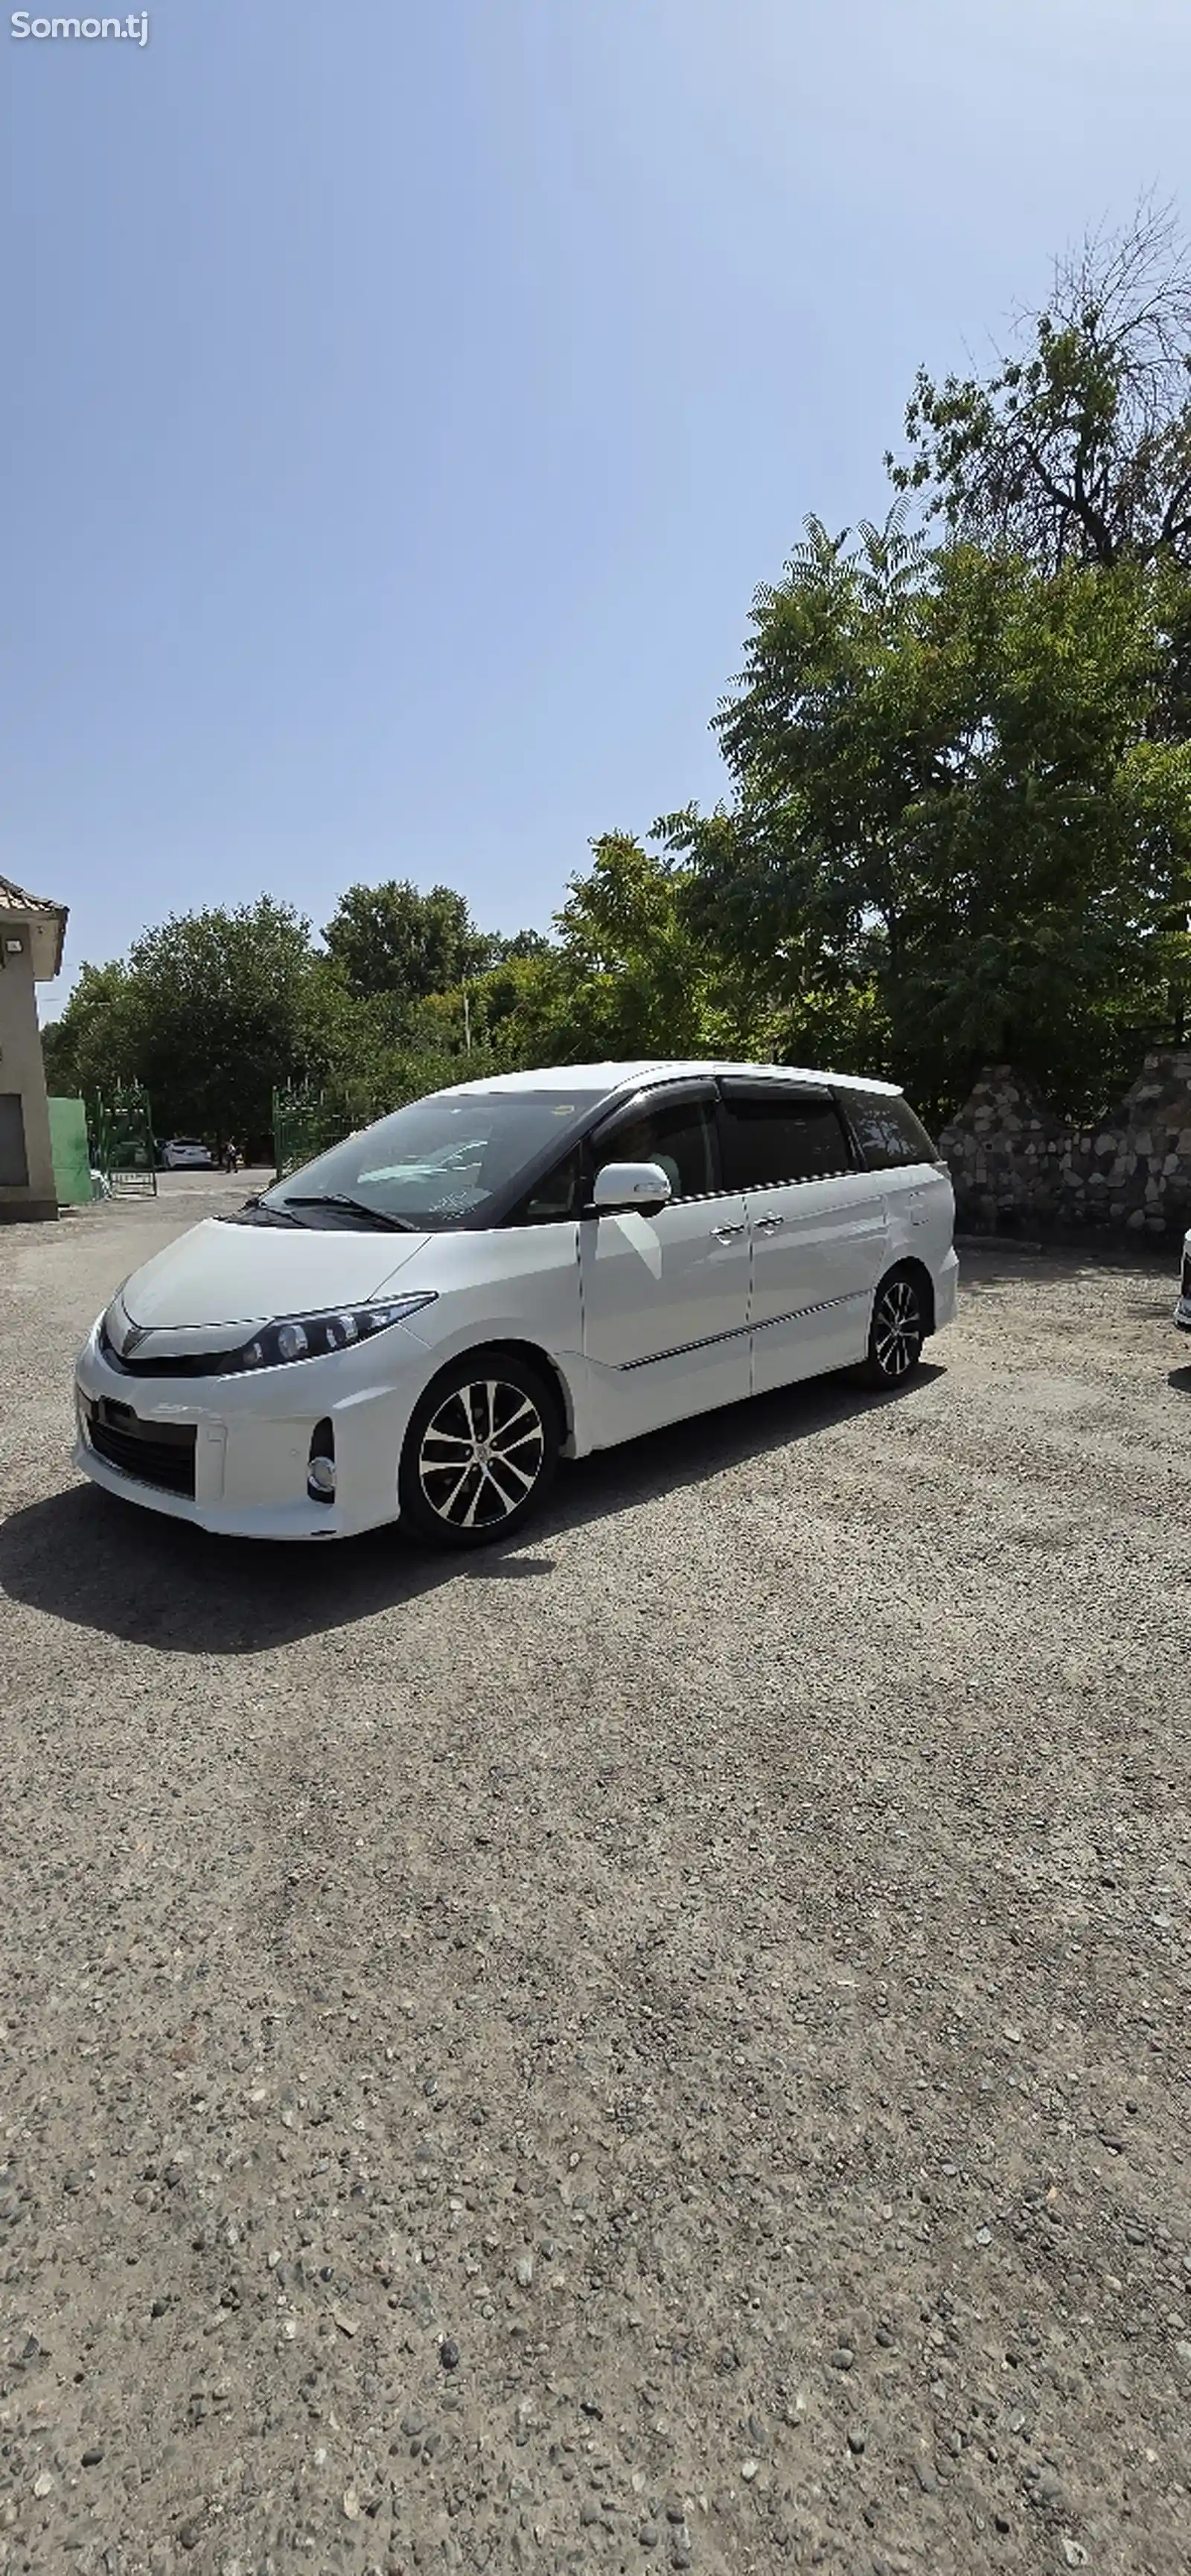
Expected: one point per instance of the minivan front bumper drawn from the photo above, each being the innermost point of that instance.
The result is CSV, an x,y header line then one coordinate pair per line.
x,y
232,1455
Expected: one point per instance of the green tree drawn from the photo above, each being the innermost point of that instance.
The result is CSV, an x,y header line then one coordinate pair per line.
x,y
391,939
93,1045
207,1012
959,832
1077,447
627,975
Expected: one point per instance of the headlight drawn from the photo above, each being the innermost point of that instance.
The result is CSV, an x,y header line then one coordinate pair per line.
x,y
312,1337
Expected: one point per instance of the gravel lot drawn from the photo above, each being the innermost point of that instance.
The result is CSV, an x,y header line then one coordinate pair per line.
x,y
665,2047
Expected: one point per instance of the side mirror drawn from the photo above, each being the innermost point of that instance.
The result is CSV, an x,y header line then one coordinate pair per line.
x,y
621,1186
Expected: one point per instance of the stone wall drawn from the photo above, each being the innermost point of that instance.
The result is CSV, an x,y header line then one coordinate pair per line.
x,y
1018,1169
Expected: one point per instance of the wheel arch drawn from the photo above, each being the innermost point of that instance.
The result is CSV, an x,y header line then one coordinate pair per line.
x,y
532,1355
916,1270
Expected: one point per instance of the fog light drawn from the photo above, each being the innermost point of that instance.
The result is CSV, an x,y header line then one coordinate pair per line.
x,y
320,1466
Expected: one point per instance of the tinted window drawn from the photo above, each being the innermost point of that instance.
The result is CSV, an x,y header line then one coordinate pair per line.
x,y
887,1130
681,1138
437,1162
769,1139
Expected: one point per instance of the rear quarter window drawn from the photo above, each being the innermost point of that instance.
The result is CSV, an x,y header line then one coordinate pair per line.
x,y
887,1130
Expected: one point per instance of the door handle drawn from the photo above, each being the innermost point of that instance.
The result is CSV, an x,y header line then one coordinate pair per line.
x,y
726,1233
768,1224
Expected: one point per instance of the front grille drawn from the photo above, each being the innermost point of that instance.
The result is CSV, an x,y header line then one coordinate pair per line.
x,y
157,1453
184,1364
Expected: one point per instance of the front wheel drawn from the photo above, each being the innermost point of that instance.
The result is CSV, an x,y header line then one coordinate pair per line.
x,y
897,1332
480,1452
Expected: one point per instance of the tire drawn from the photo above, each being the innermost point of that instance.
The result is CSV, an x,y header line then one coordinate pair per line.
x,y
497,1408
897,1332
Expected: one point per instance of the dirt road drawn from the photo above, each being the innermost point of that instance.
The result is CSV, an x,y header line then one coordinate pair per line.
x,y
663,2048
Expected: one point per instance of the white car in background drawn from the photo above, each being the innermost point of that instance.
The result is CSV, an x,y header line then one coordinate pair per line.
x,y
414,1326
185,1154
1182,1312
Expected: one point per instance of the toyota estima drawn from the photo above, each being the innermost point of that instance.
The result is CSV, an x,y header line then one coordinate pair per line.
x,y
416,1324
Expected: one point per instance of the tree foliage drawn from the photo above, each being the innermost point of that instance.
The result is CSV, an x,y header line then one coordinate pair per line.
x,y
1077,447
390,939
214,1009
628,973
957,834
204,1012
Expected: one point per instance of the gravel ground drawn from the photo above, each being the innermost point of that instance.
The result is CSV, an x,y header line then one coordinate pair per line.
x,y
661,2048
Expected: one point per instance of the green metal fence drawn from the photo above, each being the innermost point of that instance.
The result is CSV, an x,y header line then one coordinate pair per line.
x,y
72,1159
306,1122
120,1127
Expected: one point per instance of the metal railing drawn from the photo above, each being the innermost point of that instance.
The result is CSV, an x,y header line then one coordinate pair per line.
x,y
121,1141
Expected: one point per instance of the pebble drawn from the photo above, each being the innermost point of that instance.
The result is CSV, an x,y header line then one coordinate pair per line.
x,y
748,2470
448,2353
525,2271
856,2440
843,2357
92,2458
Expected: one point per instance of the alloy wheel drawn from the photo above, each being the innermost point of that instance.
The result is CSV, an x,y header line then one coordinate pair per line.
x,y
481,1454
897,1329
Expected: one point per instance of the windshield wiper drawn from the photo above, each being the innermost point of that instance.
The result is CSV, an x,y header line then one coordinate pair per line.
x,y
357,1207
257,1211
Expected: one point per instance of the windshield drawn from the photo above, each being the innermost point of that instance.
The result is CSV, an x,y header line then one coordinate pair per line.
x,y
436,1163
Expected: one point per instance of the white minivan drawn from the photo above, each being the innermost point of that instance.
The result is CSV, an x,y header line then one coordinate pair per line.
x,y
416,1324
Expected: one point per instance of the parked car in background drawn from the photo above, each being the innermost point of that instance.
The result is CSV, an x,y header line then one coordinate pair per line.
x,y
412,1327
186,1154
1182,1312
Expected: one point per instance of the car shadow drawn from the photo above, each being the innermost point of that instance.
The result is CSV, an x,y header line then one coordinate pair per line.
x,y
108,1565
1180,1380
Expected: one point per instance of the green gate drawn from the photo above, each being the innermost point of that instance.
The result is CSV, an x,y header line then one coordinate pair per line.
x,y
120,1124
305,1123
71,1153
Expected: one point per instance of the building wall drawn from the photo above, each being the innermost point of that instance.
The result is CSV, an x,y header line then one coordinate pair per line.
x,y
22,1072
1016,1167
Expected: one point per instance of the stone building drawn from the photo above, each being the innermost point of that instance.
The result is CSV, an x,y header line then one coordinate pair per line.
x,y
32,930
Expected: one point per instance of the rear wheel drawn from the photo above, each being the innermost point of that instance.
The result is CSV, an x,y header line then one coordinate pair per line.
x,y
897,1332
480,1451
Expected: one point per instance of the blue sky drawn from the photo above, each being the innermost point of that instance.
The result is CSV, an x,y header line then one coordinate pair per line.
x,y
405,398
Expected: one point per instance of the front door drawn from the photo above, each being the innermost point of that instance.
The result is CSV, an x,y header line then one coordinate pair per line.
x,y
665,1298
817,1228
